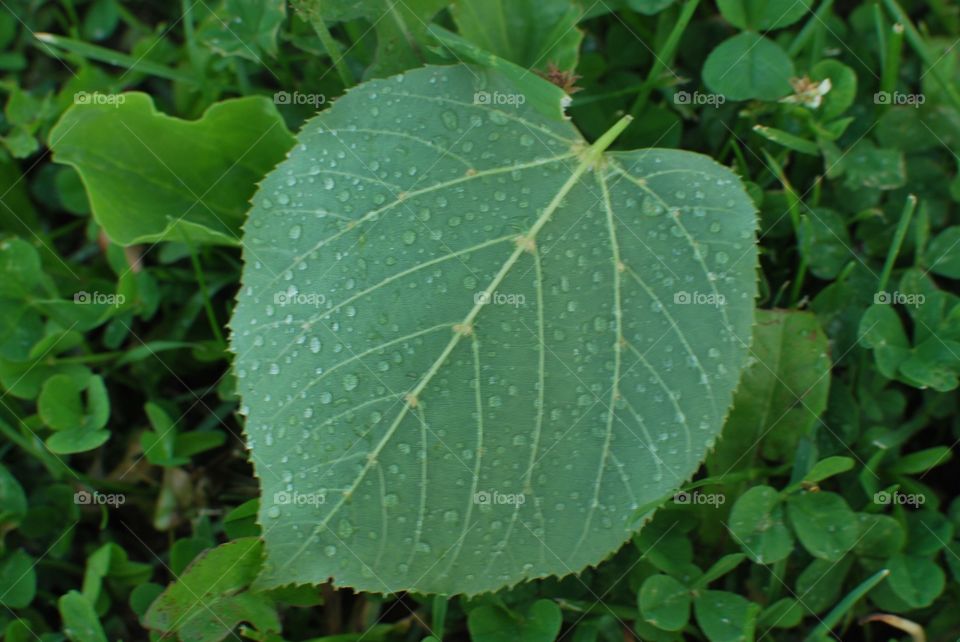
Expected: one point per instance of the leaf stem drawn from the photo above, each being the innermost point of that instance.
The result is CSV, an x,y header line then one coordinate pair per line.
x,y
332,48
808,29
916,41
664,56
111,57
891,62
898,236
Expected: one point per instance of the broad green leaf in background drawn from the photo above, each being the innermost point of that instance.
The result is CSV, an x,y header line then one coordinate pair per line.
x,y
761,15
824,524
757,523
726,617
211,596
80,621
153,177
748,66
783,392
13,501
530,33
664,602
915,580
18,580
943,255
646,7
401,28
544,96
245,28
469,345
541,623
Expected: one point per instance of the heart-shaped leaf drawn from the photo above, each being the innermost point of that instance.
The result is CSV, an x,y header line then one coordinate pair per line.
x,y
470,344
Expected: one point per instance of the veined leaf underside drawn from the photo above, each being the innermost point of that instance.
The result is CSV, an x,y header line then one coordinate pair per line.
x,y
469,345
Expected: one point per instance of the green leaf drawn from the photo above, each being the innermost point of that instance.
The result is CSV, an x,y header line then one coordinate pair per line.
x,y
880,536
726,617
210,597
543,95
18,580
245,28
866,165
541,623
782,394
720,568
785,613
825,242
824,524
13,501
430,438
648,7
943,255
748,66
829,467
756,521
664,602
530,33
80,621
761,15
818,585
183,179
843,87
78,425
916,580
882,331
401,28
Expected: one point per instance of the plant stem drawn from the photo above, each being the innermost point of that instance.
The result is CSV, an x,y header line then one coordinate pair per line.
x,y
664,57
898,236
804,36
111,57
916,41
891,62
833,617
333,49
